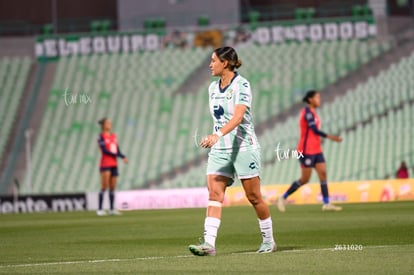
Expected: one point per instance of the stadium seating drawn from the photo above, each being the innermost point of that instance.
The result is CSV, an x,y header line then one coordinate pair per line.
x,y
382,137
356,157
13,76
136,92
157,127
279,74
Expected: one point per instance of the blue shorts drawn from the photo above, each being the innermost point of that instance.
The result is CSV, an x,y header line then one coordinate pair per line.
x,y
113,170
310,160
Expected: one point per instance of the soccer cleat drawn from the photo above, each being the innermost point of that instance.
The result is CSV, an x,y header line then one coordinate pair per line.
x,y
281,202
204,249
331,207
114,212
267,247
101,212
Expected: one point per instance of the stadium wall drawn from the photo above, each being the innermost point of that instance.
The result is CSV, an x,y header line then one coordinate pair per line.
x,y
43,203
132,14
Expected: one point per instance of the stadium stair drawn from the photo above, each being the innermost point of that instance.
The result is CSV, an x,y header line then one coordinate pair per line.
x,y
15,74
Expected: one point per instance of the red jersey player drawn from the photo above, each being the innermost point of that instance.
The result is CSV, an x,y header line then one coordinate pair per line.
x,y
108,167
310,146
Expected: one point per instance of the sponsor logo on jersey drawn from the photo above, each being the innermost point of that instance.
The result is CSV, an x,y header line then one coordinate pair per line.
x,y
244,97
218,111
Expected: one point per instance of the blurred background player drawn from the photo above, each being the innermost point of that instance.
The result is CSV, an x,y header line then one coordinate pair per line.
x,y
234,150
108,165
310,146
402,172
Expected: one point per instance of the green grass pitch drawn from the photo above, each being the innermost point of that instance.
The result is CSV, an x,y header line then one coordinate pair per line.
x,y
155,242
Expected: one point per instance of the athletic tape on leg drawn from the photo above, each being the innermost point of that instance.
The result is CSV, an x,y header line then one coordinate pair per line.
x,y
214,203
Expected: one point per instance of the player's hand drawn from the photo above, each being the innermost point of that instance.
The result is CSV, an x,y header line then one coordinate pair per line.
x,y
125,160
337,138
209,141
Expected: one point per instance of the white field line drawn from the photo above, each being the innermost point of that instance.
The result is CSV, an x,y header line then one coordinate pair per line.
x,y
324,249
96,261
180,256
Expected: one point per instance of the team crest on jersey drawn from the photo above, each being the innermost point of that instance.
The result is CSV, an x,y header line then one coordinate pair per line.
x,y
229,94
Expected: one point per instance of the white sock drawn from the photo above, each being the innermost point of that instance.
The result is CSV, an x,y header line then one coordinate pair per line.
x,y
211,226
266,228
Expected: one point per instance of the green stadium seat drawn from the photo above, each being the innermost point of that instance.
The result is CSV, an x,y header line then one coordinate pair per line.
x,y
95,26
47,29
106,25
254,17
203,21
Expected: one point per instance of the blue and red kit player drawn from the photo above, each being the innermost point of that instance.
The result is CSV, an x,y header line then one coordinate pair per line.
x,y
310,146
108,167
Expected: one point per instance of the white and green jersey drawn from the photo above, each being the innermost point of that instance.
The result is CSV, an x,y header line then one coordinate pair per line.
x,y
222,106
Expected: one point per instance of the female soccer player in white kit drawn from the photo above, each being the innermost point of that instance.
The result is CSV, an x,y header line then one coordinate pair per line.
x,y
234,150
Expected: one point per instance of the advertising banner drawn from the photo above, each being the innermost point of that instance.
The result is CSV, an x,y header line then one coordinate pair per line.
x,y
154,199
52,47
314,32
42,203
340,192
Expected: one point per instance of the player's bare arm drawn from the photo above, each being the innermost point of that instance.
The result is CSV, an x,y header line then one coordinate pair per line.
x,y
334,138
